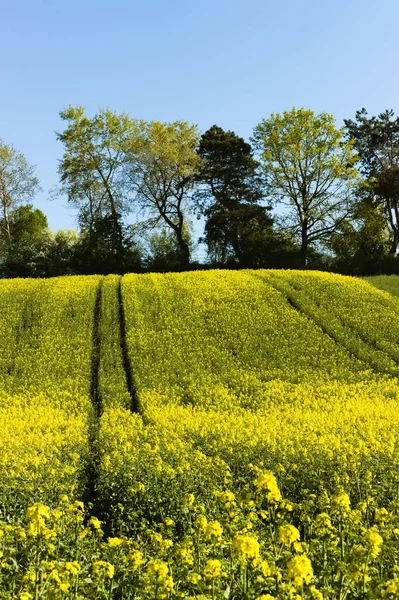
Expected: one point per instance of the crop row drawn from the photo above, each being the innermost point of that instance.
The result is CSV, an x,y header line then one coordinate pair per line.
x,y
45,405
358,316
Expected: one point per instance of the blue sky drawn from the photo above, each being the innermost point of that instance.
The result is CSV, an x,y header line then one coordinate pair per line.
x,y
229,62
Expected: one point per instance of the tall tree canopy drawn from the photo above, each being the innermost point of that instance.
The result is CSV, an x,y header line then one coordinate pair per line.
x,y
310,168
161,162
18,184
31,240
228,195
92,168
377,143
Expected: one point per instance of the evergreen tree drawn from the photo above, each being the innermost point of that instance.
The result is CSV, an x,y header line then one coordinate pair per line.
x,y
228,196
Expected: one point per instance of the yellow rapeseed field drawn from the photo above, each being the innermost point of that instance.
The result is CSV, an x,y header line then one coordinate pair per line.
x,y
203,435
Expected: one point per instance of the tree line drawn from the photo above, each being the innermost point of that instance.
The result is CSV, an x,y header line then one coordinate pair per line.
x,y
300,194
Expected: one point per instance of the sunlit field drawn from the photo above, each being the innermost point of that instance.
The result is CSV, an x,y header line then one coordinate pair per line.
x,y
202,435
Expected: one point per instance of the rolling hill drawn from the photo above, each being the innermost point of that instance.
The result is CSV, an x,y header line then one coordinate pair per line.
x,y
218,434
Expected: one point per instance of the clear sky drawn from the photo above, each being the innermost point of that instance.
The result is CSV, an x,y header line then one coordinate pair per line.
x,y
224,62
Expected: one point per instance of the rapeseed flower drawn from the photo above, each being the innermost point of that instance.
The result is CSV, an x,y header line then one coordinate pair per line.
x,y
299,569
288,534
213,569
245,547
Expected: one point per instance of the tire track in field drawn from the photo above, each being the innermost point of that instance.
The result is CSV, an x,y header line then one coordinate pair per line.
x,y
92,471
130,384
356,355
96,351
369,343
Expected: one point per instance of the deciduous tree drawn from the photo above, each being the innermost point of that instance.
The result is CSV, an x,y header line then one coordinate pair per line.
x,y
92,168
31,240
377,143
18,184
309,168
161,162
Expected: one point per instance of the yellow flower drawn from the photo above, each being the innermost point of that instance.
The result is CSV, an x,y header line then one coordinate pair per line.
x,y
315,593
37,510
188,500
381,515
392,586
194,578
322,524
373,541
36,515
186,553
114,542
157,570
29,576
57,514
298,547
266,481
49,534
201,522
287,505
288,534
213,529
263,566
227,498
94,522
213,569
101,567
72,567
300,569
340,503
245,546
359,572
168,583
165,544
25,596
136,559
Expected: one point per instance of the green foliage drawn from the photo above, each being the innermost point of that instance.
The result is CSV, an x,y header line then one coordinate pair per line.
x,y
95,251
60,259
161,162
164,252
361,246
309,168
228,195
31,241
92,168
18,184
376,140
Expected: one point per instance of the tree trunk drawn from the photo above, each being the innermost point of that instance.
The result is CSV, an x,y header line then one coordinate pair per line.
x,y
304,242
394,246
116,229
185,250
235,242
